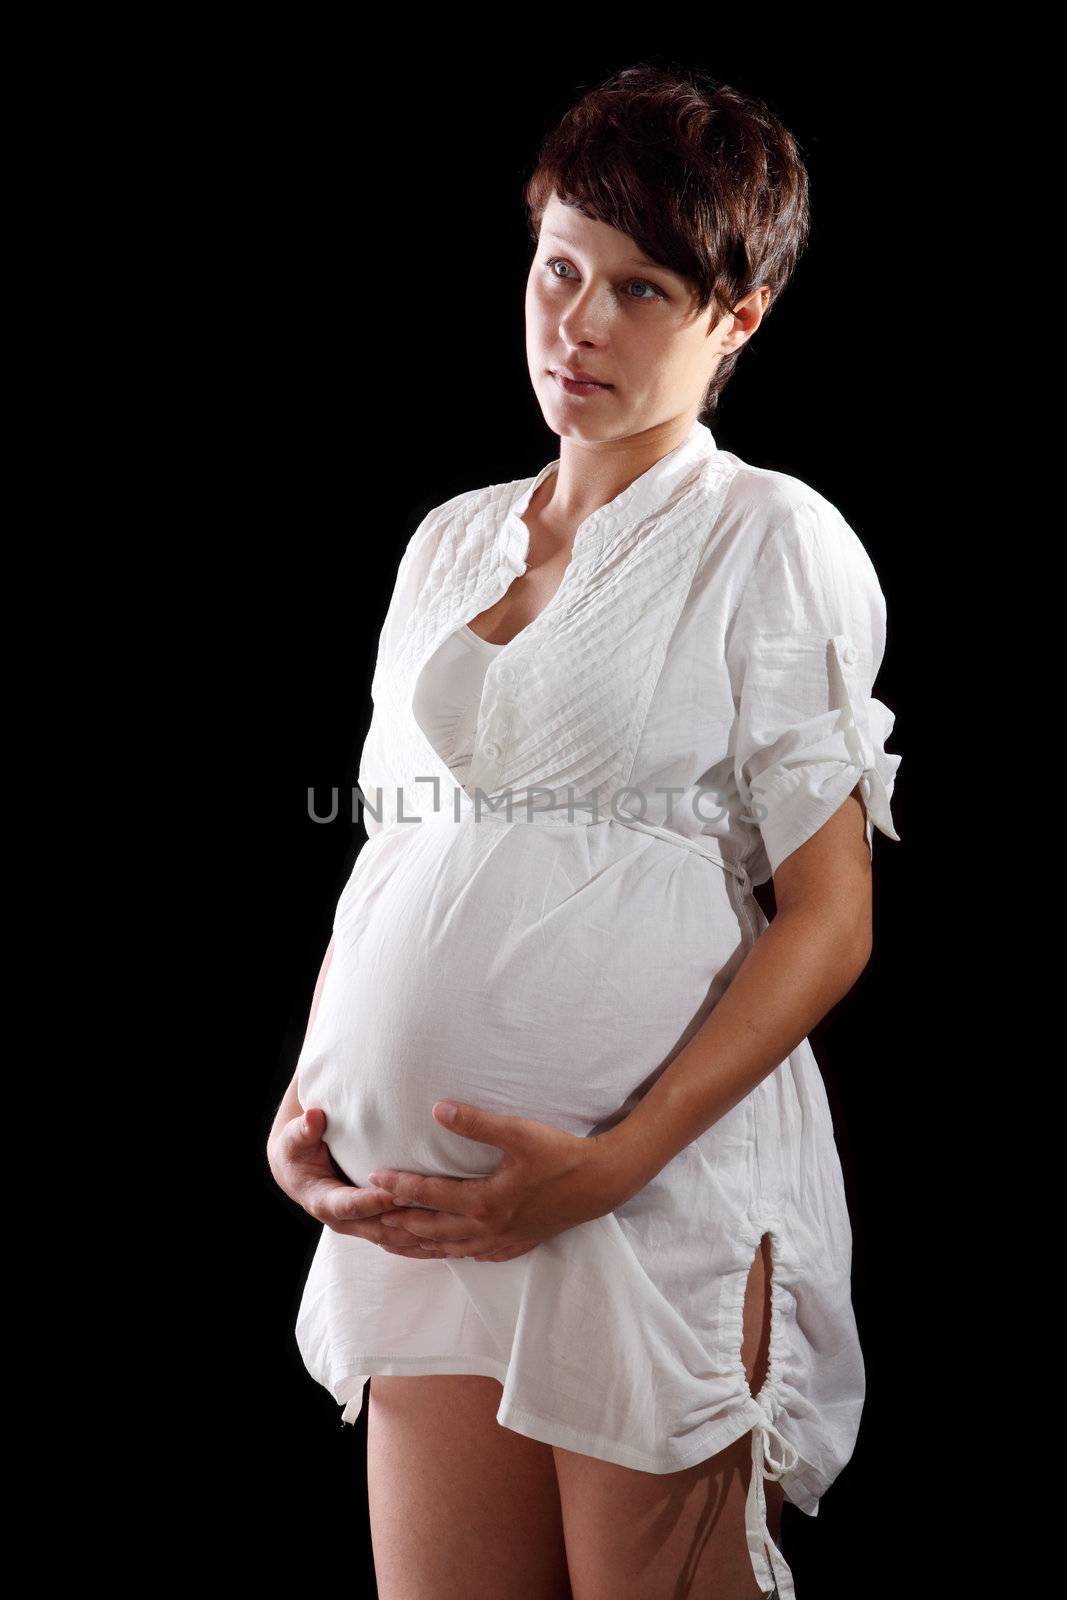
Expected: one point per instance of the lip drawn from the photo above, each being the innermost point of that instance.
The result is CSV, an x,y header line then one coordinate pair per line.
x,y
576,375
578,387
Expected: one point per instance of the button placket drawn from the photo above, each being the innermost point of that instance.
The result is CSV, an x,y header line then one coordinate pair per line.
x,y
501,677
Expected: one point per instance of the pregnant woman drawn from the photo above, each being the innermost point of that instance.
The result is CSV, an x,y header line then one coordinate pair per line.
x,y
584,1224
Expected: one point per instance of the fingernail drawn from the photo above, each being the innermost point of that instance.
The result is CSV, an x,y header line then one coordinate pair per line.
x,y
389,1222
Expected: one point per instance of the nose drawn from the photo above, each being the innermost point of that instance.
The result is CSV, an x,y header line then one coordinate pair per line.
x,y
586,319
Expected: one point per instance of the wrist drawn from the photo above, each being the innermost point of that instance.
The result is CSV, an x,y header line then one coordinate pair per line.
x,y
625,1167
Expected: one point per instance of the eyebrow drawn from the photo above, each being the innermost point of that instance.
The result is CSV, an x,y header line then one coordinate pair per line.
x,y
634,261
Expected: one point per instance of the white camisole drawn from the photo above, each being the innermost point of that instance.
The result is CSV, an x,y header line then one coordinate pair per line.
x,y
450,695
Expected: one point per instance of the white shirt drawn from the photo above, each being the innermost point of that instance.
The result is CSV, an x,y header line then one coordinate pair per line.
x,y
718,631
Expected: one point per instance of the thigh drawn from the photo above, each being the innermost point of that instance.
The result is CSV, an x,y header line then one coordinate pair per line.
x,y
459,1505
664,1536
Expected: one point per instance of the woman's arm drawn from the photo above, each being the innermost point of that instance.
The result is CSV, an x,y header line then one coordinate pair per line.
x,y
290,1106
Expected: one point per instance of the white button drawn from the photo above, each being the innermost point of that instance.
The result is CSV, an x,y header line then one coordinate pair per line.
x,y
849,653
491,749
506,672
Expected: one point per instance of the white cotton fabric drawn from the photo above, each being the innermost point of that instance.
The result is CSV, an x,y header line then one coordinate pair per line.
x,y
449,696
715,640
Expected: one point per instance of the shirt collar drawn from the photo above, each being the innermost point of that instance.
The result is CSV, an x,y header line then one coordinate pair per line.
x,y
638,500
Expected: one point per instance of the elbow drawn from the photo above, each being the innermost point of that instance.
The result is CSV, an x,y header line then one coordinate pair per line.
x,y
849,943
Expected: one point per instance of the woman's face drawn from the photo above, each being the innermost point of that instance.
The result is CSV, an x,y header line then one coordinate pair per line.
x,y
595,305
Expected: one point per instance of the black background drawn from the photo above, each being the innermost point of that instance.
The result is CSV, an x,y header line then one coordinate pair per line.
x,y
348,250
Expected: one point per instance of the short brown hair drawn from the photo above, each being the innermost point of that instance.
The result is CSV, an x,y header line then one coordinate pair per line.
x,y
705,179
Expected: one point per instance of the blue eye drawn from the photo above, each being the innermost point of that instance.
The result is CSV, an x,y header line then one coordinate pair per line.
x,y
657,294
647,285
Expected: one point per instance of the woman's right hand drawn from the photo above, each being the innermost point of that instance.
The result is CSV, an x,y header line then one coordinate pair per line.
x,y
302,1168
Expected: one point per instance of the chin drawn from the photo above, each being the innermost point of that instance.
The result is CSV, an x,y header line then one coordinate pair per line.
x,y
562,420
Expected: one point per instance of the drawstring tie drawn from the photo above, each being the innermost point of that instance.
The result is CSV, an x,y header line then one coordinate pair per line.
x,y
765,1464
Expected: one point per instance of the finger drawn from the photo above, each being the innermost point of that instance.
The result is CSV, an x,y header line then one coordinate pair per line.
x,y
413,1252
356,1213
309,1128
462,1197
457,1250
432,1226
302,1137
336,1203
370,1228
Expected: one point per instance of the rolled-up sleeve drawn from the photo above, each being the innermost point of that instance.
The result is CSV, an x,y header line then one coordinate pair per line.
x,y
804,650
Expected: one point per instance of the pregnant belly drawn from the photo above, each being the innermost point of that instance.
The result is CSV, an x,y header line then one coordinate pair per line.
x,y
535,972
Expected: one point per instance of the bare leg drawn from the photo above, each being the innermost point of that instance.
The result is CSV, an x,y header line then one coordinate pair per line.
x,y
459,1505
665,1536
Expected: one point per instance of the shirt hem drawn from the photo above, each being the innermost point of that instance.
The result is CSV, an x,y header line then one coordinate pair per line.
x,y
713,1438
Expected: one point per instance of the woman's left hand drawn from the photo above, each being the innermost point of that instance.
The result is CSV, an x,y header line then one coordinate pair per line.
x,y
547,1181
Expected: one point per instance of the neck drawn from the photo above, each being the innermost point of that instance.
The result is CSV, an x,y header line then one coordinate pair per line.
x,y
590,475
